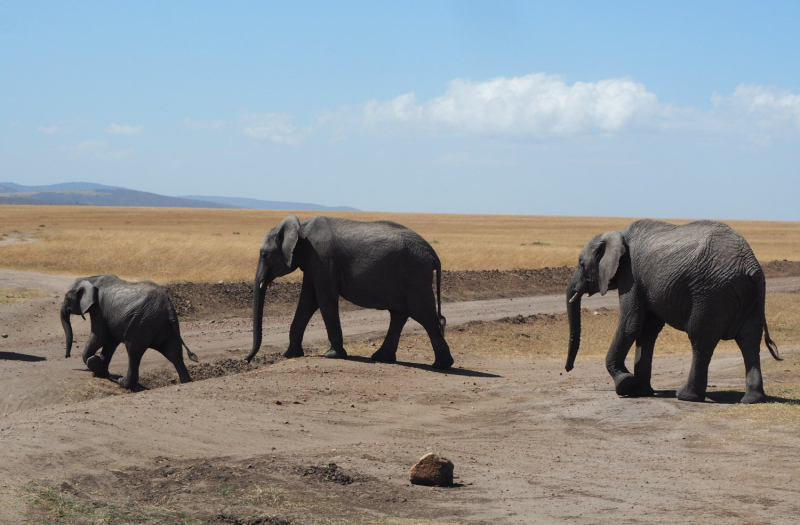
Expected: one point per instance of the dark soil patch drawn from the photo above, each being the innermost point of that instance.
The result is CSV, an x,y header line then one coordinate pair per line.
x,y
212,369
330,473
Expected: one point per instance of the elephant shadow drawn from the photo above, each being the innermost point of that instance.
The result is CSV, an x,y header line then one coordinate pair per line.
x,y
450,371
728,397
16,356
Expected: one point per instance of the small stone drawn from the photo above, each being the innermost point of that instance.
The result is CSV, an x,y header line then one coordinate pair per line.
x,y
221,282
5,336
278,403
432,470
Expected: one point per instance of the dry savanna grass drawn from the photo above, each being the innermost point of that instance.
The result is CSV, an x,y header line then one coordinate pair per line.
x,y
169,244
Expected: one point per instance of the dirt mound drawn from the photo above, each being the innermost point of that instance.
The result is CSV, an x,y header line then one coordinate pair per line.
x,y
782,268
266,490
194,300
235,299
216,368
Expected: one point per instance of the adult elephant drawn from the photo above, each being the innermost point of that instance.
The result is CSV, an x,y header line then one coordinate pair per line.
x,y
701,278
380,265
138,314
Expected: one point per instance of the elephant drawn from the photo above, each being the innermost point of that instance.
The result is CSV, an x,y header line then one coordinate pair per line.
x,y
381,265
138,314
701,278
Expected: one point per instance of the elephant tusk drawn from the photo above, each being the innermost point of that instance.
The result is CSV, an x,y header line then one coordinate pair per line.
x,y
261,284
574,297
82,317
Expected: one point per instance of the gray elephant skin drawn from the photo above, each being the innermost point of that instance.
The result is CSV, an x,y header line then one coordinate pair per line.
x,y
138,314
701,278
380,265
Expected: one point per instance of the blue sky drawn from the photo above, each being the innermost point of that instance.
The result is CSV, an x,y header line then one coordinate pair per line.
x,y
671,109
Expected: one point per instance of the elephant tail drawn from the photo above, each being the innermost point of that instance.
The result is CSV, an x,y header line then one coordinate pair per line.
x,y
173,318
442,319
761,282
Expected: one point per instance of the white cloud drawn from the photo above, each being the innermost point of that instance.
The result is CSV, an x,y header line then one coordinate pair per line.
x,y
273,127
540,106
117,129
759,105
49,129
99,149
190,123
536,105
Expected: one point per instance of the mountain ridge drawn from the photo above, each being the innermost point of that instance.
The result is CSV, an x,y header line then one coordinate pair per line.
x,y
93,194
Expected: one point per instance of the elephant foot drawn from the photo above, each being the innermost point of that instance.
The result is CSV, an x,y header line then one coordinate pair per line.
x,y
333,353
642,390
443,363
384,356
754,397
625,384
124,383
293,352
688,394
95,364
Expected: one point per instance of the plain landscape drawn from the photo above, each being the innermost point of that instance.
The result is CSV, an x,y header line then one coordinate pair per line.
x,y
313,440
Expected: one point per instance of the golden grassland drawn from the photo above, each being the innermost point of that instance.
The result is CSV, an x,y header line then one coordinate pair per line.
x,y
168,244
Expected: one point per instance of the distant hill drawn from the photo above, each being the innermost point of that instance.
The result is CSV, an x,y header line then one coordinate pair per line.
x,y
256,204
94,195
91,194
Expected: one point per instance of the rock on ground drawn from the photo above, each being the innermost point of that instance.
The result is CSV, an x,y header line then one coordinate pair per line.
x,y
433,470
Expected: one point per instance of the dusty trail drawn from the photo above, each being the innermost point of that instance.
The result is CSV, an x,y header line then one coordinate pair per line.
x,y
531,443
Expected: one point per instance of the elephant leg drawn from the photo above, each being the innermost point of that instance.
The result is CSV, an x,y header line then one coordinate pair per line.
x,y
441,350
135,353
98,363
749,341
643,363
306,307
631,320
695,387
329,308
387,353
173,351
95,342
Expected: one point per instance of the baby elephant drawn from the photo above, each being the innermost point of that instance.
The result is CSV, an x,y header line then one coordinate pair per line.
x,y
140,315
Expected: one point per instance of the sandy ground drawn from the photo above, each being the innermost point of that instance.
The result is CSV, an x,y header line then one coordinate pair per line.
x,y
531,444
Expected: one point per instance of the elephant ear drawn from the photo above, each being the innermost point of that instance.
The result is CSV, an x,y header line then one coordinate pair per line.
x,y
288,233
615,248
87,294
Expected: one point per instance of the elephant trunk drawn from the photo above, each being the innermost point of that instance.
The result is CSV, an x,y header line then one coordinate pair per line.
x,y
259,294
574,315
65,322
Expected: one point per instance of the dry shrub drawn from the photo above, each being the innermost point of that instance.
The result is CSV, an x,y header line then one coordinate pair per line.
x,y
169,244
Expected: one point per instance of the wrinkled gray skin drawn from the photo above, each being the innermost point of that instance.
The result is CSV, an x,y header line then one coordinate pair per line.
x,y
701,278
138,314
380,265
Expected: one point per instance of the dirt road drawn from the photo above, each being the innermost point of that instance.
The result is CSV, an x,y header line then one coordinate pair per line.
x,y
531,443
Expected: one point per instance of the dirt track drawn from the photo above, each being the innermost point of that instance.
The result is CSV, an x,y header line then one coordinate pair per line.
x,y
530,444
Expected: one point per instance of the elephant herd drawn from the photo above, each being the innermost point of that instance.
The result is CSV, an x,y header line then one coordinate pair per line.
x,y
701,278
